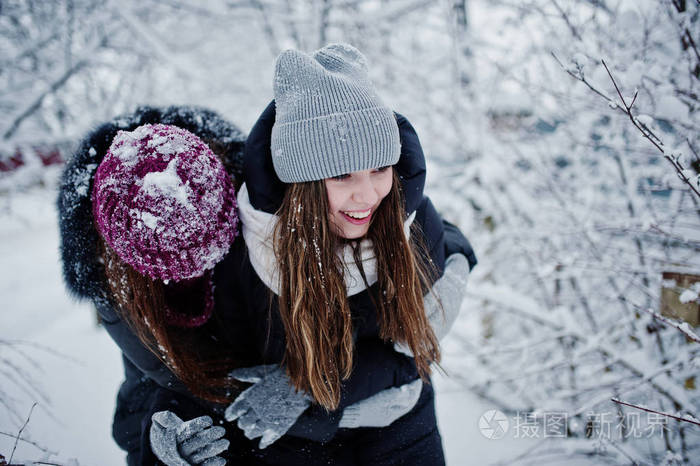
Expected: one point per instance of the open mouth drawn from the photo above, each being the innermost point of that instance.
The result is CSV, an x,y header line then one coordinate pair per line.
x,y
358,217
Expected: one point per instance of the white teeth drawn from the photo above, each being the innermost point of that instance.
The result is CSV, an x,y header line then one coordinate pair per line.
x,y
359,215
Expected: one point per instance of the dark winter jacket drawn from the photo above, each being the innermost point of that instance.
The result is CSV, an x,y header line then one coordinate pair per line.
x,y
149,385
377,365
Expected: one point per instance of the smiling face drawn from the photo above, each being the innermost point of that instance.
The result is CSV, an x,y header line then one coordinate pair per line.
x,y
353,199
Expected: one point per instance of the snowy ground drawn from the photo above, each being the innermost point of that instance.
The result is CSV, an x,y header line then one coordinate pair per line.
x,y
77,368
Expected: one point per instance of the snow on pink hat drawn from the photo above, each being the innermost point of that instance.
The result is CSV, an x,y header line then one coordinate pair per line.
x,y
164,202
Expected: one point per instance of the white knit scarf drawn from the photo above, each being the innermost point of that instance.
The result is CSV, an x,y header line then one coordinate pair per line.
x,y
258,228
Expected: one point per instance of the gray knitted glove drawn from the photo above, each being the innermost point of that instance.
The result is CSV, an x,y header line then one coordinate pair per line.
x,y
268,408
384,408
178,443
450,288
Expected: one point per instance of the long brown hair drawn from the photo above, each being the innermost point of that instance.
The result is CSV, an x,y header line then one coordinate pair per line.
x,y
198,360
313,301
198,357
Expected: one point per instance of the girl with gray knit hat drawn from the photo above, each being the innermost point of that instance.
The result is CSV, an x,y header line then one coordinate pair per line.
x,y
347,277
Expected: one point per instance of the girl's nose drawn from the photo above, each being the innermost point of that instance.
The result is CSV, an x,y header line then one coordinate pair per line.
x,y
364,192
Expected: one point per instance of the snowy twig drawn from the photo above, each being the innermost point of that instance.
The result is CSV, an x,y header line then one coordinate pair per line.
x,y
268,27
636,383
44,462
627,109
629,455
683,328
687,38
692,421
656,141
524,454
580,77
649,135
19,434
12,344
589,343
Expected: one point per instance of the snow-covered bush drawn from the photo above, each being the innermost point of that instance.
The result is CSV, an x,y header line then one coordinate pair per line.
x,y
584,215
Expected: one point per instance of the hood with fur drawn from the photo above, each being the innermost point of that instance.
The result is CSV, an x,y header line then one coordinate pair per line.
x,y
83,274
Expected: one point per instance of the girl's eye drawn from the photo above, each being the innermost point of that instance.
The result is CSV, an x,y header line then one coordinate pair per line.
x,y
382,169
341,177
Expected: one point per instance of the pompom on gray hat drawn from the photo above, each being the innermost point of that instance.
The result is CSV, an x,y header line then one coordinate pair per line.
x,y
329,119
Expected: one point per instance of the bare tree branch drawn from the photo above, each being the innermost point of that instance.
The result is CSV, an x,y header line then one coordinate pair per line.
x,y
36,104
685,419
19,434
30,442
565,17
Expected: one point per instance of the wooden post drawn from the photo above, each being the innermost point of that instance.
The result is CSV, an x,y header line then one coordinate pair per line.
x,y
673,284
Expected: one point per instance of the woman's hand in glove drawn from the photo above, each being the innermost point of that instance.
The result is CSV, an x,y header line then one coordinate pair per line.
x,y
179,443
383,408
269,407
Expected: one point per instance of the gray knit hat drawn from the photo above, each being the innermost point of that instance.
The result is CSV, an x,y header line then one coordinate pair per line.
x,y
329,120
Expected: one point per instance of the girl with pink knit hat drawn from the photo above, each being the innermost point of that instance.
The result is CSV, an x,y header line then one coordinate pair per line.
x,y
147,211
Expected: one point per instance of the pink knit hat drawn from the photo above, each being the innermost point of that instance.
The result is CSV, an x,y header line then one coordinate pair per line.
x,y
164,202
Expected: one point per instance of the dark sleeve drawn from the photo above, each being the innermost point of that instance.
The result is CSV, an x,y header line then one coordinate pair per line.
x,y
136,353
456,242
432,232
139,398
441,237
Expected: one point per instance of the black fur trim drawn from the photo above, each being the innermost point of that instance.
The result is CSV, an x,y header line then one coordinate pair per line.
x,y
82,272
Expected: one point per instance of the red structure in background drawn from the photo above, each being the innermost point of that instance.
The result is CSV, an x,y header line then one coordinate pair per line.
x,y
48,155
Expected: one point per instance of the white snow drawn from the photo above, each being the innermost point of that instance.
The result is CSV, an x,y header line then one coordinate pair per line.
x,y
669,107
690,294
646,120
69,359
150,220
169,184
126,152
573,214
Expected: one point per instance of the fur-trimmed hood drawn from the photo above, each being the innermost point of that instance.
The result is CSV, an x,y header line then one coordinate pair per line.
x,y
83,274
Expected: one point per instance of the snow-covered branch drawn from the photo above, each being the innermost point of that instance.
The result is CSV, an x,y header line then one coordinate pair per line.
x,y
640,122
684,328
